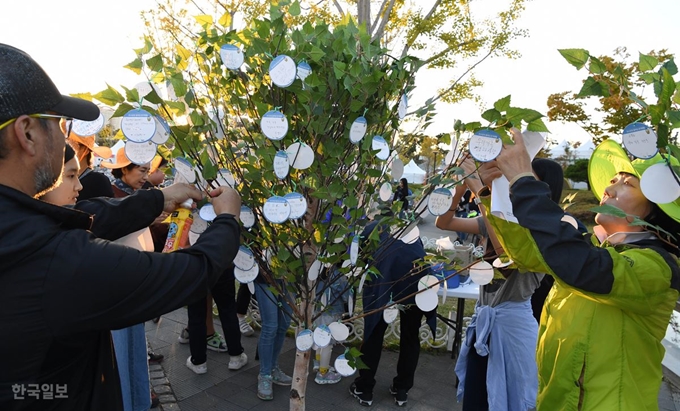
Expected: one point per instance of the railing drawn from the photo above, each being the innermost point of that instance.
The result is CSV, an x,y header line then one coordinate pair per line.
x,y
443,337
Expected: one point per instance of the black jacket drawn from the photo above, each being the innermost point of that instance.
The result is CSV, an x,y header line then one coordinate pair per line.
x,y
62,289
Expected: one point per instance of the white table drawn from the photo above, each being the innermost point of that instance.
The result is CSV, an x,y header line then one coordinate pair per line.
x,y
469,290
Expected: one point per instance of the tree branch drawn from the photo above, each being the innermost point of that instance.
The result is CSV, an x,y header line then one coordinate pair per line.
x,y
338,6
383,22
429,14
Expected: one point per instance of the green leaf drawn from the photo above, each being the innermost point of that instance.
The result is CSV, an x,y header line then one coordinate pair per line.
x,y
205,20
132,95
491,115
148,46
609,210
153,97
316,53
596,66
135,66
575,57
667,89
294,9
155,63
537,125
471,127
339,69
592,87
649,78
671,67
647,63
662,135
122,109
225,20
656,112
676,96
109,96
502,104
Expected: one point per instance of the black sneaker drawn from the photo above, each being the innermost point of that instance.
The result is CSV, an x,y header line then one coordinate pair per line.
x,y
365,398
400,396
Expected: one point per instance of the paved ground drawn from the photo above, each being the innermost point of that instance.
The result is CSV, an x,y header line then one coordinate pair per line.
x,y
224,390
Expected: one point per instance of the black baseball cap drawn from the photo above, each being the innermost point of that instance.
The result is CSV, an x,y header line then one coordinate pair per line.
x,y
25,88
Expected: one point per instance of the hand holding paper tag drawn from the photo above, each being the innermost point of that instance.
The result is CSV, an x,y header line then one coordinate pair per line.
x,y
513,160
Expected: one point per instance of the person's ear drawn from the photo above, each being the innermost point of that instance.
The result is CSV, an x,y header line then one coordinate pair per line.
x,y
26,130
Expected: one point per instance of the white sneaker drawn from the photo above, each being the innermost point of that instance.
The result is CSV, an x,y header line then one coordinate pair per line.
x,y
246,329
237,362
197,368
184,336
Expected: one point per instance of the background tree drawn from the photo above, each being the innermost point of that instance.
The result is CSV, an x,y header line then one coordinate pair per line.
x,y
611,76
578,171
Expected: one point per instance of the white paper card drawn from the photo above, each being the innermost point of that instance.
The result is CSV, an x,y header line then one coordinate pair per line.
x,y
304,340
322,336
282,71
339,331
247,217
300,156
390,314
358,129
274,125
138,126
659,184
440,201
88,128
276,210
140,153
385,191
232,56
342,366
162,133
640,140
199,225
244,258
379,143
281,164
246,276
207,212
485,145
298,205
185,169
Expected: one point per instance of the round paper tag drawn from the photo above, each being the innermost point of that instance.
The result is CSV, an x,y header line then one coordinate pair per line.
x,y
448,160
193,237
428,282
390,314
640,140
247,217
298,205
276,210
207,212
300,156
138,126
568,219
244,259
397,168
225,178
350,304
199,225
403,105
303,70
251,288
282,71
411,234
481,273
358,130
88,128
281,164
184,168
322,335
354,250
342,366
498,263
440,201
385,191
162,133
658,184
143,88
304,340
232,56
140,153
339,331
485,145
427,300
314,270
274,125
246,276
379,143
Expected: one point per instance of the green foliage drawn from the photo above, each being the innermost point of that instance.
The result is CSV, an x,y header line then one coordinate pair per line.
x,y
578,171
619,85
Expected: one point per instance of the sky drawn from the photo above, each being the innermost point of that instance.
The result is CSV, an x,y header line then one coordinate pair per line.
x,y
84,44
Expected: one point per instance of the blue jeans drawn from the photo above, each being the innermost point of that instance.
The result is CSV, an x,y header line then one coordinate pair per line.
x,y
133,367
275,323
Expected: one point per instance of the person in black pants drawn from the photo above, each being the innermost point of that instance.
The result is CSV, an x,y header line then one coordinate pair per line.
x,y
242,302
397,263
224,295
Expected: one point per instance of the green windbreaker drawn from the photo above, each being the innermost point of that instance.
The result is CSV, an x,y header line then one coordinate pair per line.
x,y
599,343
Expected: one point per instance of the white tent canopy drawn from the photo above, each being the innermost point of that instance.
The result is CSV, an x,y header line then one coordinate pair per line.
x,y
413,173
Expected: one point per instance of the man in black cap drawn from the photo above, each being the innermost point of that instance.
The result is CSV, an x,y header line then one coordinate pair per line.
x,y
61,287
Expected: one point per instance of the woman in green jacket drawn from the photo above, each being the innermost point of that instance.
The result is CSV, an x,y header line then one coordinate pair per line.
x,y
599,344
